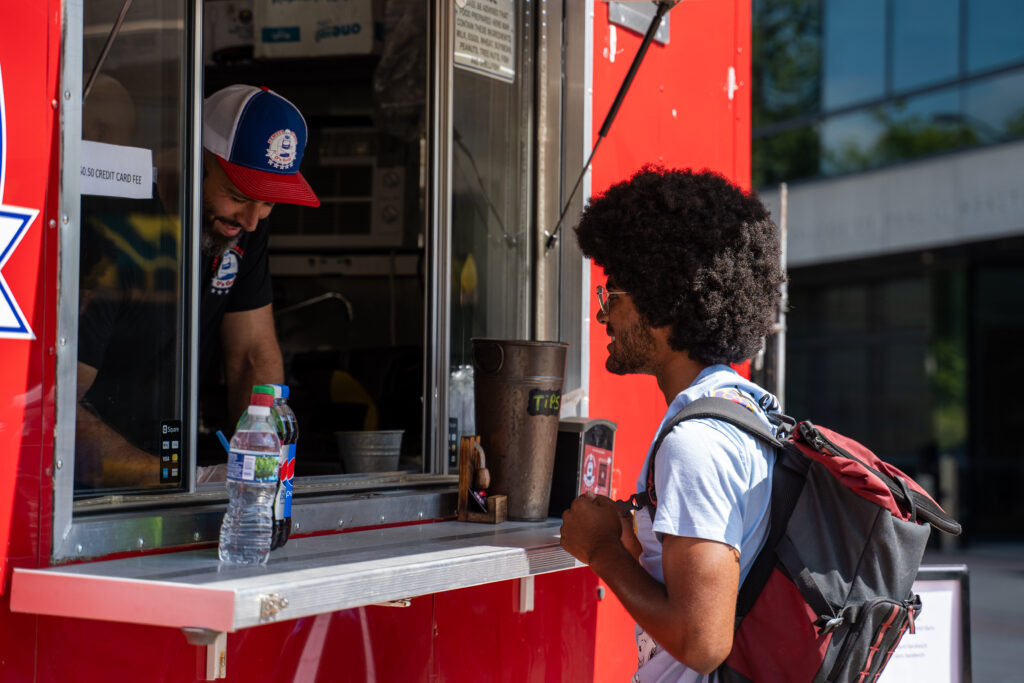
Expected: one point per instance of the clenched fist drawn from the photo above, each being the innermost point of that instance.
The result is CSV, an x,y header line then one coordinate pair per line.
x,y
591,525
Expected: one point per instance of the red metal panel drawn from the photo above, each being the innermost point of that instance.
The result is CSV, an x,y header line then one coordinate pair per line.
x,y
28,166
26,133
353,646
679,113
480,636
471,635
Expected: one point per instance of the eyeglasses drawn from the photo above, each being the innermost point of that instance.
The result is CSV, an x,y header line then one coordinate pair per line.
x,y
604,296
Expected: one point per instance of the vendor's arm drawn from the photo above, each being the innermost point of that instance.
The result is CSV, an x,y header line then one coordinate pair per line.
x,y
691,615
104,458
251,354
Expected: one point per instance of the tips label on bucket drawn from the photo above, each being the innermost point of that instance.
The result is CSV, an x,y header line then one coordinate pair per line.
x,y
544,402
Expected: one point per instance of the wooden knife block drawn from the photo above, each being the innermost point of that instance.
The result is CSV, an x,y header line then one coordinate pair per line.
x,y
469,463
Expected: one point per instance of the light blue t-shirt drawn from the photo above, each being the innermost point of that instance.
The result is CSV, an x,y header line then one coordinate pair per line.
x,y
713,482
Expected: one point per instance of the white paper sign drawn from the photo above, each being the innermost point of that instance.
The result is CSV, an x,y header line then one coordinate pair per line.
x,y
932,653
116,170
485,37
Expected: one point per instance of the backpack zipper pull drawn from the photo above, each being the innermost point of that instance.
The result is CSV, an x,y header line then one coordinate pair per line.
x,y
913,607
813,436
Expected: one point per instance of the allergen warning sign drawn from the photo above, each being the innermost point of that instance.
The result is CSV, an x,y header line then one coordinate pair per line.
x,y
485,38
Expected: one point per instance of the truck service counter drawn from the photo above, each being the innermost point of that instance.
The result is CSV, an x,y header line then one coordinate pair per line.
x,y
194,591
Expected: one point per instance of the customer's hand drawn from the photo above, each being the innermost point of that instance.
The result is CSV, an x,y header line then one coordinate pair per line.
x,y
591,525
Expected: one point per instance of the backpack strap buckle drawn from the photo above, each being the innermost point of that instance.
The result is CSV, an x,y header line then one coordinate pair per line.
x,y
637,501
831,624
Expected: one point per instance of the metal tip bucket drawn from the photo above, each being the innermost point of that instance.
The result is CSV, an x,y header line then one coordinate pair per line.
x,y
518,396
376,451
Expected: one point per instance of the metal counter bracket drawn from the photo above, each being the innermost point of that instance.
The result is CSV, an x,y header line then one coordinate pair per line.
x,y
526,586
212,661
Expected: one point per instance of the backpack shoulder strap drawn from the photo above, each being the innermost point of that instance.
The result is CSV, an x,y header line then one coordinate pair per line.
x,y
708,407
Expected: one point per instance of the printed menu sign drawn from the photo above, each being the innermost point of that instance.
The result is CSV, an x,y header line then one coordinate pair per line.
x,y
485,37
932,653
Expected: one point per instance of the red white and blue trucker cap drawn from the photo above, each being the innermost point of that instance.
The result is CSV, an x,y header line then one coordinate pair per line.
x,y
258,137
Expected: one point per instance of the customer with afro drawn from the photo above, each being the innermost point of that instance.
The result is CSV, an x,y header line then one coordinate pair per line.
x,y
693,283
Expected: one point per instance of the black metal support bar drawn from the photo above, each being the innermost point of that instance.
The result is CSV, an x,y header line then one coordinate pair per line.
x,y
663,7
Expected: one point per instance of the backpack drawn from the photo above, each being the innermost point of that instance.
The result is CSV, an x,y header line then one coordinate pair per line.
x,y
829,596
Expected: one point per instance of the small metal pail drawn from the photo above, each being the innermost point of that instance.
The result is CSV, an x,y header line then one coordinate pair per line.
x,y
375,451
518,396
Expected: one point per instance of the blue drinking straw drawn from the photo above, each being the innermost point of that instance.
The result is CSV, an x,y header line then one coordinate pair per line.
x,y
224,441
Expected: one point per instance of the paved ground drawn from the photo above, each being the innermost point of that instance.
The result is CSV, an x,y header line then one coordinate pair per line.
x,y
996,594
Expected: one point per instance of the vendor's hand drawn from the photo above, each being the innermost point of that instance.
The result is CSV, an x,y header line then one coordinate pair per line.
x,y
591,525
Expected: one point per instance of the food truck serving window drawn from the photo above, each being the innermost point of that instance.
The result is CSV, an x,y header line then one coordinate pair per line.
x,y
132,265
420,149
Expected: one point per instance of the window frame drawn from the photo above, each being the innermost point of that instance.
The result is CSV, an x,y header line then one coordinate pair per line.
x,y
94,528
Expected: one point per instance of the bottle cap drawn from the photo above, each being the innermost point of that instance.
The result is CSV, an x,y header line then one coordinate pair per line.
x,y
259,410
258,399
263,389
284,390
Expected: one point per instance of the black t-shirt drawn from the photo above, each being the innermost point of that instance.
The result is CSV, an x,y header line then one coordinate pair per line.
x,y
129,333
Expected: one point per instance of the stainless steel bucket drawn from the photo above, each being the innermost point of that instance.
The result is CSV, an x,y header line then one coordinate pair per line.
x,y
518,395
375,451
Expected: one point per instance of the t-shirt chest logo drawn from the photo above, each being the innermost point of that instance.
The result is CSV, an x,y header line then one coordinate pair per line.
x,y
227,272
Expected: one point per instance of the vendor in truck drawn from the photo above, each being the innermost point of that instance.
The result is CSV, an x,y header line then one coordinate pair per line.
x,y
253,142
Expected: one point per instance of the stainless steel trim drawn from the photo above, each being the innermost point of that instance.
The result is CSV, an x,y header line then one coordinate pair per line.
x,y
72,538
194,134
575,291
439,238
526,95
109,531
548,164
66,399
309,576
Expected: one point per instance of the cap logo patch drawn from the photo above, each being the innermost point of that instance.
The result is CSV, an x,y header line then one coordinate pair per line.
x,y
281,149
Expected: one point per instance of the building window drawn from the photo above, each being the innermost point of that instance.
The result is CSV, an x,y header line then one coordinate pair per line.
x,y
843,87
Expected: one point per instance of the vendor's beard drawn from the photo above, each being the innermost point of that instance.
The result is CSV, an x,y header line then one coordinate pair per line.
x,y
211,242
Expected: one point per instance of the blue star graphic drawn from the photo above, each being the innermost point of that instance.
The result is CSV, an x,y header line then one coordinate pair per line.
x,y
14,223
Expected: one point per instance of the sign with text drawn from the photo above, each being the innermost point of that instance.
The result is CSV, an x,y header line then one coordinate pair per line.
x,y
116,170
485,37
938,650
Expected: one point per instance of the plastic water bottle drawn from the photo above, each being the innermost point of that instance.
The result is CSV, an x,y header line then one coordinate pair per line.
x,y
267,389
246,531
288,430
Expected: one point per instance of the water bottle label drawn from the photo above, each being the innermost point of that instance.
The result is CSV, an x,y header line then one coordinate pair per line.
x,y
252,466
289,481
287,495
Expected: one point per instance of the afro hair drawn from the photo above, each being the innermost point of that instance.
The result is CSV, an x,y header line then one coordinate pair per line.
x,y
695,253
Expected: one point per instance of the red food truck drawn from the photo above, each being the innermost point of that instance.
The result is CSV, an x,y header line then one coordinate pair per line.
x,y
445,136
